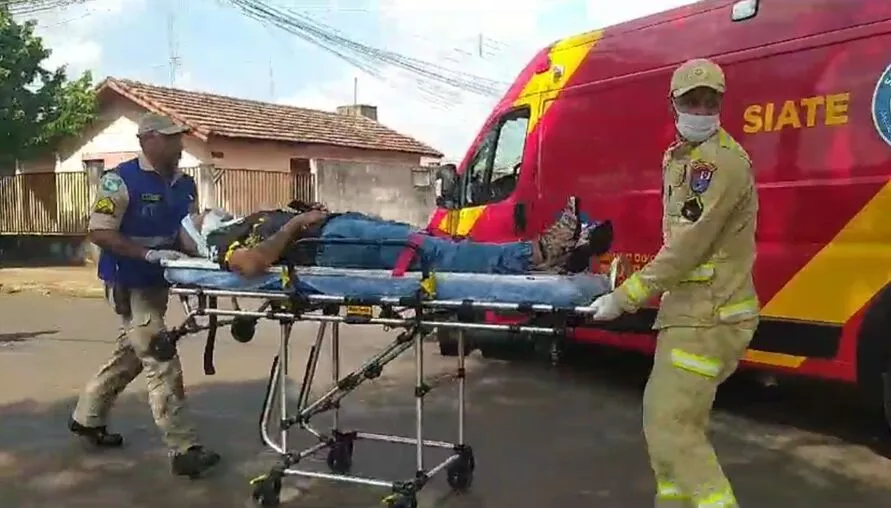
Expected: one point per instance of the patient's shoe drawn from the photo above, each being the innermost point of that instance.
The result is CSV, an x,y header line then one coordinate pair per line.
x,y
594,241
97,436
561,237
194,461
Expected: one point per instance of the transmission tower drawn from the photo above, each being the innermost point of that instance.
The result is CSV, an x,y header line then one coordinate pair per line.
x,y
173,59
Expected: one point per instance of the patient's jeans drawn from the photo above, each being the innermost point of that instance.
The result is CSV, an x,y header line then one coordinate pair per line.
x,y
442,254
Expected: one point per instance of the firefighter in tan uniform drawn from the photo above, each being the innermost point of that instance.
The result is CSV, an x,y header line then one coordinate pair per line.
x,y
709,309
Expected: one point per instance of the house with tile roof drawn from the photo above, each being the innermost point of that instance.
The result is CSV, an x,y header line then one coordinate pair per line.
x,y
244,155
244,134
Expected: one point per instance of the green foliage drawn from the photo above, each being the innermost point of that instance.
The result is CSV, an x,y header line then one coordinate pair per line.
x,y
38,107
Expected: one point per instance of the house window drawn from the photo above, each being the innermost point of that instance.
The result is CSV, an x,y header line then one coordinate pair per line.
x,y
94,165
421,177
300,165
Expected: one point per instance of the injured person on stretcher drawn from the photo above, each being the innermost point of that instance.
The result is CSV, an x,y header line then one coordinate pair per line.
x,y
250,245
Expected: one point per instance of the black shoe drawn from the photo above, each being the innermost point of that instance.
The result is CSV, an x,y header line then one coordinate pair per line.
x,y
194,461
593,242
97,436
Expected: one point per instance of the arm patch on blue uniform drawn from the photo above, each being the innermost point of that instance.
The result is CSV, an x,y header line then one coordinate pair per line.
x,y
110,182
105,206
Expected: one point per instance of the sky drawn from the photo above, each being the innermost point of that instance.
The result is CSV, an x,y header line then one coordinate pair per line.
x,y
221,50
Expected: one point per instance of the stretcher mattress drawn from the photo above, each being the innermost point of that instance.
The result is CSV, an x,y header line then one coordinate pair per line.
x,y
556,290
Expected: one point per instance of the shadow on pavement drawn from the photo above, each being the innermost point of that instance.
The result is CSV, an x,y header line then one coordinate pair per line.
x,y
813,405
543,438
6,338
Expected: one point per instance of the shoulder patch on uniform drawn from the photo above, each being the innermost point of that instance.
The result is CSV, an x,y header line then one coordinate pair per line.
x,y
105,206
111,182
701,173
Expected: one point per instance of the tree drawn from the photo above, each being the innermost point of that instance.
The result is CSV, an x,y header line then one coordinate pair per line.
x,y
38,107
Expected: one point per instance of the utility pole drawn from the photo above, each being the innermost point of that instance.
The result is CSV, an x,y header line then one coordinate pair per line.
x,y
355,90
172,43
479,46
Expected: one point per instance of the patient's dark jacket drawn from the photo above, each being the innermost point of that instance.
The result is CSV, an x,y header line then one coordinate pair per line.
x,y
258,227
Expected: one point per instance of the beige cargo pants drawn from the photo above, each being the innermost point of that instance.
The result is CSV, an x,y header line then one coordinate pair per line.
x,y
688,366
142,314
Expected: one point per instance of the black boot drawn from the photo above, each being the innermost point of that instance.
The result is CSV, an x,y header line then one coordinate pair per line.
x,y
97,436
194,461
594,242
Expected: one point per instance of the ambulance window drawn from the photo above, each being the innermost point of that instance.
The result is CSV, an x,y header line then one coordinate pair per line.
x,y
495,170
474,185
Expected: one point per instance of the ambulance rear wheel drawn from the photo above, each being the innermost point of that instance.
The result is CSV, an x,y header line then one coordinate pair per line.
x,y
507,350
448,342
874,358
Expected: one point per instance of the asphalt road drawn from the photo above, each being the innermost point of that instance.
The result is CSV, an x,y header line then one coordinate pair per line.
x,y
542,437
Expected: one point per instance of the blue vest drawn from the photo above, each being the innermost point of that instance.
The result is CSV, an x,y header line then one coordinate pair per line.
x,y
152,219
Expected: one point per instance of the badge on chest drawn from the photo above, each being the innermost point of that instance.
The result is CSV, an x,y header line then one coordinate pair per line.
x,y
151,198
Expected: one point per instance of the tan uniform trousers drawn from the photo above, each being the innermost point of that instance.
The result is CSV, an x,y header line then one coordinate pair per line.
x,y
688,366
142,313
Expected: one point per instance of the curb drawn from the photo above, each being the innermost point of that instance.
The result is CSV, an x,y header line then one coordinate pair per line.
x,y
49,289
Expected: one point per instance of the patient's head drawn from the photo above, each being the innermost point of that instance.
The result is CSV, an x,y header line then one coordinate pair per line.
x,y
211,219
201,224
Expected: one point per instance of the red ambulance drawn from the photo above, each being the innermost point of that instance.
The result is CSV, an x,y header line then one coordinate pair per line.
x,y
809,97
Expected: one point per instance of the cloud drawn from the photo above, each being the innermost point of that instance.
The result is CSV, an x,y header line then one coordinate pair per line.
x,y
482,38
69,32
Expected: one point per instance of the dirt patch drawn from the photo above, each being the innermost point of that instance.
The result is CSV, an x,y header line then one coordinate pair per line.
x,y
79,281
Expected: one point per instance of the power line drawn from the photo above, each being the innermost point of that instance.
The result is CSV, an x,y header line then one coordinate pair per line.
x,y
30,7
365,57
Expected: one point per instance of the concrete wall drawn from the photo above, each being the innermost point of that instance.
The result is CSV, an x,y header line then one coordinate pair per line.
x,y
386,190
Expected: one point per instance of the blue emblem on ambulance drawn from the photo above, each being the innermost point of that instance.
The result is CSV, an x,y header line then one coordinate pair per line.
x,y
881,106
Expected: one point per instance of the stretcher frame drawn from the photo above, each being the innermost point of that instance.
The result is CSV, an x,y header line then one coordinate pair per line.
x,y
427,314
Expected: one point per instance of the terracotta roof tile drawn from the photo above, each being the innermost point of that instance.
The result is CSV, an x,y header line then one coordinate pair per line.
x,y
218,115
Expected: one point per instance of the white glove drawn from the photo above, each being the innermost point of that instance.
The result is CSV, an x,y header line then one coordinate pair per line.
x,y
606,308
156,256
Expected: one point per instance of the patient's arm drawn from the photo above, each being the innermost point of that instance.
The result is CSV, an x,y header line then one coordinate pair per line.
x,y
255,260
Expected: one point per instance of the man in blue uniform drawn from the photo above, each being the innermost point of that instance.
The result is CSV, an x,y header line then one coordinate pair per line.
x,y
135,220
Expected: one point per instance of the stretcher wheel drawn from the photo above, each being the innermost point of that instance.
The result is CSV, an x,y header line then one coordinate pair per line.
x,y
401,501
459,474
243,329
266,491
340,456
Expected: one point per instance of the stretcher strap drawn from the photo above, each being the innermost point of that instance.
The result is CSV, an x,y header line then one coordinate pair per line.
x,y
407,255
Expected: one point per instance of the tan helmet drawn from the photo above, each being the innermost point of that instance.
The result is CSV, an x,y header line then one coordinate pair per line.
x,y
695,73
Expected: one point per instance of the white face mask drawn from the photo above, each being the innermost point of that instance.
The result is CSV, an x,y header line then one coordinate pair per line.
x,y
697,128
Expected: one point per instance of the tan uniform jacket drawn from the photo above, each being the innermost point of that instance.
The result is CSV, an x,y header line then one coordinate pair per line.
x,y
704,268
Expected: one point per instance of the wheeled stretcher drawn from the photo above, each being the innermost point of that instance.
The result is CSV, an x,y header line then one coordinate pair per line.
x,y
414,302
